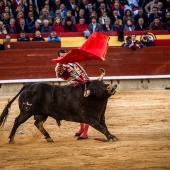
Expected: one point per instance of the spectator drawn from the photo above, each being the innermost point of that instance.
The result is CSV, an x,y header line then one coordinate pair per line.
x,y
2,7
7,11
161,10
93,15
69,26
63,11
150,5
134,44
118,26
49,12
32,9
129,26
38,37
133,4
146,40
20,15
56,5
81,14
30,20
107,27
11,29
2,28
10,6
69,15
22,26
81,26
127,42
140,26
141,14
89,10
6,19
46,16
53,37
114,16
73,7
46,27
156,24
103,18
23,37
57,26
94,26
167,21
102,8
84,4
118,9
57,13
128,15
7,38
37,26
155,14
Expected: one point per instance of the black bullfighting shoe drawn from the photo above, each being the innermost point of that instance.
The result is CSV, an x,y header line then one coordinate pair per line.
x,y
78,134
82,138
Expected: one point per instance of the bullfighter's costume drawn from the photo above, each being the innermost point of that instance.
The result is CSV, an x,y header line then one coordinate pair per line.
x,y
73,73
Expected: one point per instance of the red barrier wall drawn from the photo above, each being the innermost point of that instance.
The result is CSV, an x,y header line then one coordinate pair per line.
x,y
35,63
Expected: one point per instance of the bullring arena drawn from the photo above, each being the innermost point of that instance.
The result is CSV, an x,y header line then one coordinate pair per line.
x,y
138,115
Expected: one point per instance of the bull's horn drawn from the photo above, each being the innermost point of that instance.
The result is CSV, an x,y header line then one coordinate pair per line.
x,y
102,75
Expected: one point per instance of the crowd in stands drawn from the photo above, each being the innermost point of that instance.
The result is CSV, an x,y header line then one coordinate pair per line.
x,y
81,15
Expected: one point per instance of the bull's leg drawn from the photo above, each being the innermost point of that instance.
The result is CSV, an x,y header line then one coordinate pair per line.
x,y
39,121
18,121
100,128
102,123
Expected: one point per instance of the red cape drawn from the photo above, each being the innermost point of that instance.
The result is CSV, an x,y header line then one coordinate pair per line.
x,y
94,48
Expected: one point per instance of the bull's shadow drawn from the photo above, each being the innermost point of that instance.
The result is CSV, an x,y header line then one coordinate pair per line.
x,y
84,103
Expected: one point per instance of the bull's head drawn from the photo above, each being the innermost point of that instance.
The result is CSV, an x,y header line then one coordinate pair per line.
x,y
99,89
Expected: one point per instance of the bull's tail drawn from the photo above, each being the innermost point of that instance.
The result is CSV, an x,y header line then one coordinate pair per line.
x,y
4,114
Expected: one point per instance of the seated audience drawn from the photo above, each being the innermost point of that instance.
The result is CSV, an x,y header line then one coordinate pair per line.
x,y
118,26
140,26
38,37
94,26
134,44
37,26
156,24
11,29
81,26
22,26
46,27
127,42
167,21
146,40
57,26
107,26
23,37
69,26
53,37
129,26
2,28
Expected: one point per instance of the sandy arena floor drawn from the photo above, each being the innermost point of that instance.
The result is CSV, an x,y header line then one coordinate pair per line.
x,y
140,119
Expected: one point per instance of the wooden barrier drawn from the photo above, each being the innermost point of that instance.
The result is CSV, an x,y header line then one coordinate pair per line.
x,y
31,45
28,64
162,42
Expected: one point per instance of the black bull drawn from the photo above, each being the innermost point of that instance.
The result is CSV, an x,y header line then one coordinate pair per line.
x,y
82,103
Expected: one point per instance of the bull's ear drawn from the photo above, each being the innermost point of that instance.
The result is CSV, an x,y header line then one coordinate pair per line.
x,y
86,93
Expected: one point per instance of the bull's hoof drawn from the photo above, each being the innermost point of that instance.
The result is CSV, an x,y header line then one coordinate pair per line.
x,y
49,140
101,139
82,138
